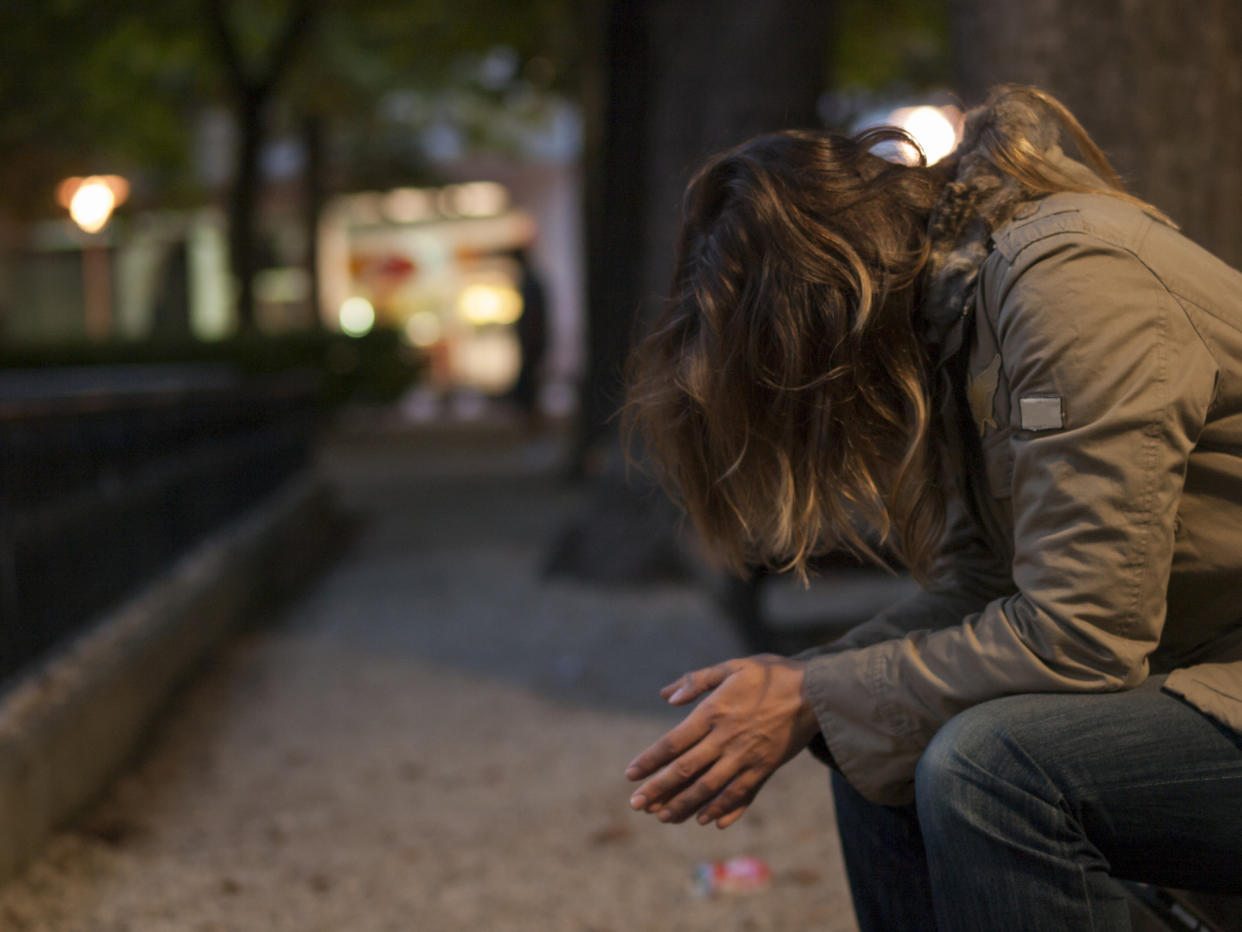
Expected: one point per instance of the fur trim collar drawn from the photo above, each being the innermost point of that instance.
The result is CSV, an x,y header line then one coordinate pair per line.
x,y
978,199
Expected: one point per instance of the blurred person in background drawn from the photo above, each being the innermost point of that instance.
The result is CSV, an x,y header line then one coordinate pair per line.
x,y
1028,383
532,334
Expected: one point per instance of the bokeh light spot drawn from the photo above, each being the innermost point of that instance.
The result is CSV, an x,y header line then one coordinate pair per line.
x,y
357,317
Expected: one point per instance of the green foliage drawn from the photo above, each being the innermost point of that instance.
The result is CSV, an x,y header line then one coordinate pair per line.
x,y
109,87
419,44
89,87
883,45
256,28
384,71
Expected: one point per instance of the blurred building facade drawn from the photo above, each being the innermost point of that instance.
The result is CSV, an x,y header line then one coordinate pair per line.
x,y
428,260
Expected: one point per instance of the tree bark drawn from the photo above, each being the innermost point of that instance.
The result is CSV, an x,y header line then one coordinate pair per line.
x,y
722,72
615,98
681,79
313,195
243,203
1157,84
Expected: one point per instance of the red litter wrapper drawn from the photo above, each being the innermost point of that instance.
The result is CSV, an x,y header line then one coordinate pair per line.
x,y
731,877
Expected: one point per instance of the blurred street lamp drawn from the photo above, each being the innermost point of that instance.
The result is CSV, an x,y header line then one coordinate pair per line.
x,y
90,202
934,129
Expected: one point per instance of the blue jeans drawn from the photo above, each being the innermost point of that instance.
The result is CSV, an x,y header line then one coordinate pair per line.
x,y
1026,809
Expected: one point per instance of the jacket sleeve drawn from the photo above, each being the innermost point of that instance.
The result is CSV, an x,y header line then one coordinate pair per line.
x,y
967,576
1094,506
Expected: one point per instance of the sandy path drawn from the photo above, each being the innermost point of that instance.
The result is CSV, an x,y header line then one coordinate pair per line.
x,y
432,738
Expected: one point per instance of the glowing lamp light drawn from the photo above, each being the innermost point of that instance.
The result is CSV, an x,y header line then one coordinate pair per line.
x,y
483,304
931,128
91,206
357,317
90,201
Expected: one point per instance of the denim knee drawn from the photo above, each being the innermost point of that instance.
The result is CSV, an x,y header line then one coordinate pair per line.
x,y
969,759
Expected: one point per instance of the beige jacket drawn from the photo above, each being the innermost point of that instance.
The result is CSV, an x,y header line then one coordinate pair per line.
x,y
1104,378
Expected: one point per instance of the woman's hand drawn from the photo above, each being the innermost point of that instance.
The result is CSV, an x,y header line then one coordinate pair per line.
x,y
713,763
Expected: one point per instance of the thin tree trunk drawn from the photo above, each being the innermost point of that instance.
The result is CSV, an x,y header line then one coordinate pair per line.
x,y
252,94
313,200
243,204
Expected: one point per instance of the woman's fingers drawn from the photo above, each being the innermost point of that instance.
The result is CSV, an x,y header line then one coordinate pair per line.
x,y
729,818
718,788
690,799
733,800
689,687
675,742
680,773
715,761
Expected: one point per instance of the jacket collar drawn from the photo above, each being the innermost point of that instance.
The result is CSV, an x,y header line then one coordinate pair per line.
x,y
977,200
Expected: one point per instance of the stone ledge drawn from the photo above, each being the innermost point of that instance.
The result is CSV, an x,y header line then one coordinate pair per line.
x,y
69,725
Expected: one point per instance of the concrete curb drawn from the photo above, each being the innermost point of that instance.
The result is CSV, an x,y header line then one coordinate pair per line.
x,y
68,727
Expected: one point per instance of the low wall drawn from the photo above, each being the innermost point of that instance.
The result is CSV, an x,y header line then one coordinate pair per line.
x,y
70,723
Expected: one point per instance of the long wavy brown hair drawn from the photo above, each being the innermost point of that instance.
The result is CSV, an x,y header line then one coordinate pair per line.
x,y
784,394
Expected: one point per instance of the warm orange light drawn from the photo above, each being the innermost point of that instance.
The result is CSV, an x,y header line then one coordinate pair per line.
x,y
118,186
91,206
65,191
484,303
90,201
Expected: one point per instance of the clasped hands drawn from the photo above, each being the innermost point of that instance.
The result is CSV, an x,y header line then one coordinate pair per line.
x,y
754,719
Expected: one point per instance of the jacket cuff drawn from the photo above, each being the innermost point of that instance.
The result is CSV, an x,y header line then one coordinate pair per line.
x,y
865,734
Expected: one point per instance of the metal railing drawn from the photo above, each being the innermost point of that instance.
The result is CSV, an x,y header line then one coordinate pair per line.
x,y
108,474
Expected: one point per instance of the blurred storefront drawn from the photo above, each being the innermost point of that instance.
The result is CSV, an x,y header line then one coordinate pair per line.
x,y
440,265
437,264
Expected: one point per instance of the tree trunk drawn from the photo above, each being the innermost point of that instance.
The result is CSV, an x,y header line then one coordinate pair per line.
x,y
722,72
681,79
615,92
243,204
253,90
1157,84
313,195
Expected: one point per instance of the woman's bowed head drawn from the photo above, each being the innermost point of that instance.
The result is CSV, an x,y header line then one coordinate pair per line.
x,y
788,395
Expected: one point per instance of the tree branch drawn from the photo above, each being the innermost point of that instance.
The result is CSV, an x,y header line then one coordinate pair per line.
x,y
297,26
218,26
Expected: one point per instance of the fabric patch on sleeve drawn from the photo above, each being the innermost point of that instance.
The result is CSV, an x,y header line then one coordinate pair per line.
x,y
1041,412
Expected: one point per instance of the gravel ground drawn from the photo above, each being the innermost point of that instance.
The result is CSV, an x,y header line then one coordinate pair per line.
x,y
432,738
